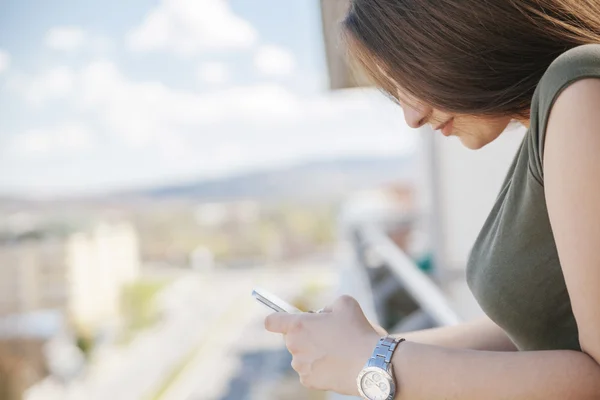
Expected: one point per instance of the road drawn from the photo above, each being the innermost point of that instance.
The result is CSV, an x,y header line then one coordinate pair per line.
x,y
238,358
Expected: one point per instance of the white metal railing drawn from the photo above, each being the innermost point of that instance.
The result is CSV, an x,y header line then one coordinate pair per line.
x,y
421,288
354,278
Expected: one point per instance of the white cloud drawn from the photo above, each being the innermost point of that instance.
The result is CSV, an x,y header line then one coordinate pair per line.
x,y
66,139
66,38
57,82
274,60
158,132
190,26
240,127
213,73
72,38
140,112
4,61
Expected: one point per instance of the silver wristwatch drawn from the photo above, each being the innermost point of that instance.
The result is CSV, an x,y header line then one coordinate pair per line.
x,y
376,380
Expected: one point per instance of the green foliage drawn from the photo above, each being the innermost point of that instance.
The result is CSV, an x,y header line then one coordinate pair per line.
x,y
85,343
138,305
280,231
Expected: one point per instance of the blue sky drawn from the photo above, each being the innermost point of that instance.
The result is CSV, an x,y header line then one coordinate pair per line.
x,y
97,96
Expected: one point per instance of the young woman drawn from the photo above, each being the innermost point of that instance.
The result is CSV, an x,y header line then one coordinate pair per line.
x,y
469,68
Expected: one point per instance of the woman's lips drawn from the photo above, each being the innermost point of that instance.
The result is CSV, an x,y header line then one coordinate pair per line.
x,y
447,127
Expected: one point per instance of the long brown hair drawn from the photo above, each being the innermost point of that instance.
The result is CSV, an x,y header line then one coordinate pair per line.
x,y
477,57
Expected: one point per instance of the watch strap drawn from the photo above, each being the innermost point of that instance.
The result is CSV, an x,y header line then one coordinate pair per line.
x,y
382,355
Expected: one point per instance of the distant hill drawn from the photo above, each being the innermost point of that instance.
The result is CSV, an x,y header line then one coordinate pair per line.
x,y
310,181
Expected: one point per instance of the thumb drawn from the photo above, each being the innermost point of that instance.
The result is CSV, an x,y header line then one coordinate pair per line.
x,y
280,322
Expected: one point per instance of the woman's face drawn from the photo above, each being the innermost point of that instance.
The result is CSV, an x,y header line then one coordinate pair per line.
x,y
474,132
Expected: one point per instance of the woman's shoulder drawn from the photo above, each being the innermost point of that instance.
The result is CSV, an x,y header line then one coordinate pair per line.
x,y
577,63
578,56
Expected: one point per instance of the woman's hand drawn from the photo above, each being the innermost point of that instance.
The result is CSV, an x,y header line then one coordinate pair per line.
x,y
329,349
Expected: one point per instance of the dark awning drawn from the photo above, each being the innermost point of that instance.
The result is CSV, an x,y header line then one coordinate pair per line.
x,y
341,76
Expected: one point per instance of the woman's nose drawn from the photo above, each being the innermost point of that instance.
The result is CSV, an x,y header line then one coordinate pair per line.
x,y
415,117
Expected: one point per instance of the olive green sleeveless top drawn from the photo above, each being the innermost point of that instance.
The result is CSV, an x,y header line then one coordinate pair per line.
x,y
514,271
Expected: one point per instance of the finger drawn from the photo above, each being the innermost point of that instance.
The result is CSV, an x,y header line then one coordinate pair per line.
x,y
301,366
279,322
293,344
329,308
305,381
326,309
309,381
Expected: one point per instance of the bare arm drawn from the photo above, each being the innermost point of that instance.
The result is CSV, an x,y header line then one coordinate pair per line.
x,y
481,334
430,373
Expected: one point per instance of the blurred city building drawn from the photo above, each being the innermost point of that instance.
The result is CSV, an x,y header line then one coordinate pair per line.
x,y
53,285
80,272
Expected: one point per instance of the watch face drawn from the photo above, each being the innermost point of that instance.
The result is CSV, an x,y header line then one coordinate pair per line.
x,y
375,386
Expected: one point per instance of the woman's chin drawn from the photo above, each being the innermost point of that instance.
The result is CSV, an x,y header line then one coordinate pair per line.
x,y
472,142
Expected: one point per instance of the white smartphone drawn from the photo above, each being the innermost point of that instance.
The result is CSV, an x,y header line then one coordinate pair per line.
x,y
273,302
